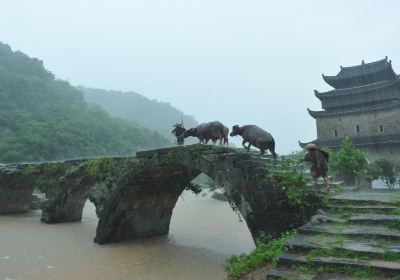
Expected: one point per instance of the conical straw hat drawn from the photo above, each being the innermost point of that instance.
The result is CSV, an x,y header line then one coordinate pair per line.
x,y
310,146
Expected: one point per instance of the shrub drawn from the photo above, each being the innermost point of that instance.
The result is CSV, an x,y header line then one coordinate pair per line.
x,y
348,162
384,169
293,183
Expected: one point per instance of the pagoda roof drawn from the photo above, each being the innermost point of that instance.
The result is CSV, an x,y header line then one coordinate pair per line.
x,y
357,141
355,110
358,89
362,74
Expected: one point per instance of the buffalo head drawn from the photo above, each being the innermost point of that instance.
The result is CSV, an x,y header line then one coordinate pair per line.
x,y
235,130
178,130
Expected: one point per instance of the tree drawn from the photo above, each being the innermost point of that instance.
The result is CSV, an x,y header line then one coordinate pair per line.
x,y
384,169
348,162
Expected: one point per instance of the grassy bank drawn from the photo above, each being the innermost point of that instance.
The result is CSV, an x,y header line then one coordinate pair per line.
x,y
267,251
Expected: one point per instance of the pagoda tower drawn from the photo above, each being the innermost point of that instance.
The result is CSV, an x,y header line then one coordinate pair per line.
x,y
364,105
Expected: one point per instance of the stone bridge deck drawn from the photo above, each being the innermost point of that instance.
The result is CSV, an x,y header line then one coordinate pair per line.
x,y
141,191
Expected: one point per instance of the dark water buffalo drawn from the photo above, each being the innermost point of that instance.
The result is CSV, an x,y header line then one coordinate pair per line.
x,y
208,131
255,136
178,130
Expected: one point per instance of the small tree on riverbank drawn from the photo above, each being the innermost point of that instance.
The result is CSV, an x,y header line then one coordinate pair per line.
x,y
348,162
385,170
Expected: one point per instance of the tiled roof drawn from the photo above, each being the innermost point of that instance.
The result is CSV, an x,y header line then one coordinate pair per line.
x,y
357,90
355,110
365,73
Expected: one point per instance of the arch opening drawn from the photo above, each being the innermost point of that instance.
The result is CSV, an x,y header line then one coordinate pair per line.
x,y
143,202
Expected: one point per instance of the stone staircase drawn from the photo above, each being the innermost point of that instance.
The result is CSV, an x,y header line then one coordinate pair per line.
x,y
356,236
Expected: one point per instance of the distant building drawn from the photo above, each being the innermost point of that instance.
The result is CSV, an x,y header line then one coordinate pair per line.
x,y
365,106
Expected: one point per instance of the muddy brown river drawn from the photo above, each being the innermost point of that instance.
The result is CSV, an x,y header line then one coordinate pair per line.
x,y
203,233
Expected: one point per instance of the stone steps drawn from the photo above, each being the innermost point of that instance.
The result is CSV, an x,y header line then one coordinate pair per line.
x,y
386,267
302,242
283,273
351,230
359,219
362,208
370,198
374,218
358,237
288,274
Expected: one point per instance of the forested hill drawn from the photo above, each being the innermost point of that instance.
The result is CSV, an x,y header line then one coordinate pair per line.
x,y
42,118
159,116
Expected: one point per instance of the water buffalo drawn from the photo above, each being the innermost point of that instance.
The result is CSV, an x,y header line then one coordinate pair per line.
x,y
178,130
255,136
208,131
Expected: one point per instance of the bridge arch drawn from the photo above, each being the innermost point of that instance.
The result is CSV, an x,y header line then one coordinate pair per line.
x,y
143,201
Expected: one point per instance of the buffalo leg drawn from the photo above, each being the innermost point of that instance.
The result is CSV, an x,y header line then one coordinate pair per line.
x,y
248,148
262,152
273,153
243,144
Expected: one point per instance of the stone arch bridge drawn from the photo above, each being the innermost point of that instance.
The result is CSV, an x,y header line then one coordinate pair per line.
x,y
139,193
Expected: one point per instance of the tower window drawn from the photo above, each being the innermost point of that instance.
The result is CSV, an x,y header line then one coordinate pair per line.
x,y
335,132
380,128
357,128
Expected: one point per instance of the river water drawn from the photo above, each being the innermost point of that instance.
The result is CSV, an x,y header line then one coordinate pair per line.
x,y
203,232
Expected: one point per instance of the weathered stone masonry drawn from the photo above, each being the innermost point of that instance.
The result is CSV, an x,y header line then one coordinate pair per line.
x,y
144,190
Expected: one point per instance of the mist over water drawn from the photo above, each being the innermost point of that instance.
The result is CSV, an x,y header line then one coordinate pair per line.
x,y
203,233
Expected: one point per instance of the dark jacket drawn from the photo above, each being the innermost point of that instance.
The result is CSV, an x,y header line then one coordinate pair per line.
x,y
319,161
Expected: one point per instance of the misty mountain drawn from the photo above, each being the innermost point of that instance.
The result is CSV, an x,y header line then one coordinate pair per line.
x,y
43,118
152,114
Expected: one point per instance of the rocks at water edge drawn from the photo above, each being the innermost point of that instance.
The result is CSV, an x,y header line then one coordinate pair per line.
x,y
15,190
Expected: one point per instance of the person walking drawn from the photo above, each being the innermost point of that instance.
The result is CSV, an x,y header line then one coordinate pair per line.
x,y
319,163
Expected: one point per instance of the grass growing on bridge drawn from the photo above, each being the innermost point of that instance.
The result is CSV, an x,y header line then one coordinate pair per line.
x,y
267,251
293,183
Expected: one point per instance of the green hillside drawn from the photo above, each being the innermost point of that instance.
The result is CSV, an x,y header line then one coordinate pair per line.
x,y
42,118
158,116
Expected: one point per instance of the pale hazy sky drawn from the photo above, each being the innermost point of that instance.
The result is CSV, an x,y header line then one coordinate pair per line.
x,y
240,62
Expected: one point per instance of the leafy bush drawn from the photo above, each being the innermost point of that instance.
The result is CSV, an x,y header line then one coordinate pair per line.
x,y
348,162
384,169
293,183
267,251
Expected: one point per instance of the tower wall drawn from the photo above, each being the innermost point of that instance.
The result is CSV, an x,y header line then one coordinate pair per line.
x,y
368,122
374,152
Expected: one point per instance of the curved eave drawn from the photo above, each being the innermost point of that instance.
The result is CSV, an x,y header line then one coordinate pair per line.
x,y
335,93
330,80
382,107
392,71
313,114
318,94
